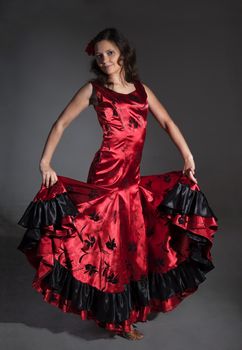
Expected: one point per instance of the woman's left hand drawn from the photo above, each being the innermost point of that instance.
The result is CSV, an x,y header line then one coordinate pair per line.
x,y
189,168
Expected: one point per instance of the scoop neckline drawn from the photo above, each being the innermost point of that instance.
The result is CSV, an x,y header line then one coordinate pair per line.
x,y
121,93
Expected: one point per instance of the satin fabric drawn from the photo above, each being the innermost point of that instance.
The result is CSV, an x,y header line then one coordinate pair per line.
x,y
120,245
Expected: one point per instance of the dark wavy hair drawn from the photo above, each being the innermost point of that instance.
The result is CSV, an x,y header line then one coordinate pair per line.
x,y
127,53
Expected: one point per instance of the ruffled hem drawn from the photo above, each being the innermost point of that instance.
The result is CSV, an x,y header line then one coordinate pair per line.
x,y
187,210
154,293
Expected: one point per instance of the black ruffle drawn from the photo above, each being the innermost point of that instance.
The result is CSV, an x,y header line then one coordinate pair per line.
x,y
116,307
182,199
48,212
30,239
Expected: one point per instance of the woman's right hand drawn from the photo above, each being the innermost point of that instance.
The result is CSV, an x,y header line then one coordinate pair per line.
x,y
49,176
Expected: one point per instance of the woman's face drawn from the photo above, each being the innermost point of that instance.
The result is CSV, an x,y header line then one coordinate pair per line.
x,y
107,54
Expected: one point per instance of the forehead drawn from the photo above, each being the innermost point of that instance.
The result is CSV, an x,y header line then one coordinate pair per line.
x,y
104,45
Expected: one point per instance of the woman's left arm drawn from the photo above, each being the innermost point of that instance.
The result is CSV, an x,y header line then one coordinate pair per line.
x,y
166,122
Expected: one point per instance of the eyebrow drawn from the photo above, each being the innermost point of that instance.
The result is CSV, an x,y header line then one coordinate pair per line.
x,y
101,52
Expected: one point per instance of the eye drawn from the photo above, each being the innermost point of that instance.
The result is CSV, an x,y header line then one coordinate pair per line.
x,y
110,52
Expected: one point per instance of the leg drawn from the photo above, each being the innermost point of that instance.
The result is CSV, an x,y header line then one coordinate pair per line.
x,y
135,334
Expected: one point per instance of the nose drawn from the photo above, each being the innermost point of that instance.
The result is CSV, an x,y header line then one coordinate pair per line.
x,y
104,59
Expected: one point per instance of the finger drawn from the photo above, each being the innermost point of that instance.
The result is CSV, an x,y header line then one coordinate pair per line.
x,y
47,180
192,172
53,180
190,175
193,179
188,171
44,180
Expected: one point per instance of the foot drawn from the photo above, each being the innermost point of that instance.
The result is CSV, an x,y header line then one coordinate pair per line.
x,y
135,334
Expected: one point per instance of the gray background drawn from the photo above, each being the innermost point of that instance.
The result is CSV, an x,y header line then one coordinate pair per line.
x,y
189,53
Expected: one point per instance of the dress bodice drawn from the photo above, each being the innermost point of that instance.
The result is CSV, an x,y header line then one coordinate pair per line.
x,y
120,111
123,119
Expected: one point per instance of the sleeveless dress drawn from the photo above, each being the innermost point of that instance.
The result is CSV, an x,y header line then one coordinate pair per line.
x,y
120,245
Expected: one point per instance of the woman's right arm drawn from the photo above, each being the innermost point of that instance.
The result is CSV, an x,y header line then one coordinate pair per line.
x,y
77,104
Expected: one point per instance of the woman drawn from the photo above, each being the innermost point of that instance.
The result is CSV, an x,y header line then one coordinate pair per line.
x,y
121,245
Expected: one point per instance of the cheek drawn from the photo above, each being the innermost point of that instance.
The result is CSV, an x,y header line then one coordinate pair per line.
x,y
116,63
120,63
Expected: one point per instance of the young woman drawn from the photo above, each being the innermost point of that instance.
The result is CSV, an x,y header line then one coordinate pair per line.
x,y
120,245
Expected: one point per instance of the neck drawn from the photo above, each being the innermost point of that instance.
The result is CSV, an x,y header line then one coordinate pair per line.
x,y
117,79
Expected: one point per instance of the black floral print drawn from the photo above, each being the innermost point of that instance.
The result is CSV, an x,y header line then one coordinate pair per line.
x,y
133,123
167,178
80,233
90,241
93,194
67,261
112,278
90,269
94,216
82,256
104,273
111,243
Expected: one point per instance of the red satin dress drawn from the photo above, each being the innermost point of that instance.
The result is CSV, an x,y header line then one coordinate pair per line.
x,y
120,245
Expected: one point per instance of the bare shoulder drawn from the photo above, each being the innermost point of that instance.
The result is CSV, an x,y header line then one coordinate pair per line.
x,y
148,91
77,104
83,94
86,89
151,97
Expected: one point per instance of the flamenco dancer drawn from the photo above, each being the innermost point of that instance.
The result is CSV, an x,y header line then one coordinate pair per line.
x,y
120,245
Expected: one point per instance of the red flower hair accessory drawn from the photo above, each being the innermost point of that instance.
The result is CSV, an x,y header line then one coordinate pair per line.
x,y
90,48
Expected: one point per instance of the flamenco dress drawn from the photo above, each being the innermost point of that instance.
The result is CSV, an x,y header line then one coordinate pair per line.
x,y
120,245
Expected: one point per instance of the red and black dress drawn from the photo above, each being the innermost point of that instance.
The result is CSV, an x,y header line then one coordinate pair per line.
x,y
121,245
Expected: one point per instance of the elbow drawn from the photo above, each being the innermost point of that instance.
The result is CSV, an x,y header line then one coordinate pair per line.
x,y
59,126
